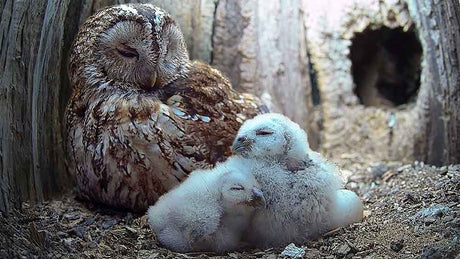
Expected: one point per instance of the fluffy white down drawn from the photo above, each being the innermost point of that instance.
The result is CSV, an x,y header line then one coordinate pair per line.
x,y
287,139
199,215
301,204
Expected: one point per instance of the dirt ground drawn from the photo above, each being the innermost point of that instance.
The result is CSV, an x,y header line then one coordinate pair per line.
x,y
411,211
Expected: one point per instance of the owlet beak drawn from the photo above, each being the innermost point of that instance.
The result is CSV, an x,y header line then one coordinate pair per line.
x,y
258,199
241,145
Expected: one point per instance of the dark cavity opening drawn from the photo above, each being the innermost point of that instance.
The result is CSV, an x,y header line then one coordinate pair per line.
x,y
386,66
315,94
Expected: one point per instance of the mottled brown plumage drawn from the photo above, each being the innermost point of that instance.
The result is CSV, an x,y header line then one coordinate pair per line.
x,y
131,136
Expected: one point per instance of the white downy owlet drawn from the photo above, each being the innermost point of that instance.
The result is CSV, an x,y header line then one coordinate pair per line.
x,y
209,211
303,190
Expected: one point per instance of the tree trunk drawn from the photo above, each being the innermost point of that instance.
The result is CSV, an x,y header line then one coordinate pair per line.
x,y
439,23
361,50
262,47
34,89
32,165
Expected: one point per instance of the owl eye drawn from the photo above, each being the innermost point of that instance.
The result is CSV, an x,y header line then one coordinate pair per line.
x,y
127,52
237,188
263,132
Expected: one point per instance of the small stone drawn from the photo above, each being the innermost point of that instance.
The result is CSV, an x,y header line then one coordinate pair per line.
x,y
154,255
92,244
366,213
79,231
342,250
293,251
404,167
346,174
108,224
68,242
443,170
89,221
378,169
72,216
431,252
131,230
430,214
129,218
352,185
397,245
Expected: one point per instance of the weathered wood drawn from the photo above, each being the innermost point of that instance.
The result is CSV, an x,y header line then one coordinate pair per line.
x,y
196,19
34,90
262,47
32,161
349,126
426,128
439,23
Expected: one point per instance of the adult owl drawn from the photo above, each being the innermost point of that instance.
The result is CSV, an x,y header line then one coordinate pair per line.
x,y
142,115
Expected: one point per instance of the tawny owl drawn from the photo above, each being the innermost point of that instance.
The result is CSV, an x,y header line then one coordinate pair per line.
x,y
142,115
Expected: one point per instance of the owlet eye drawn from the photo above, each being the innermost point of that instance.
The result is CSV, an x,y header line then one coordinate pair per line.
x,y
127,52
237,188
264,132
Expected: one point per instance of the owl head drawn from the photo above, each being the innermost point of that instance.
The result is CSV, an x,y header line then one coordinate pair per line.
x,y
137,46
240,189
269,136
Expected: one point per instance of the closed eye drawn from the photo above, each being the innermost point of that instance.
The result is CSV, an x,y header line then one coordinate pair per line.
x,y
237,188
127,52
264,132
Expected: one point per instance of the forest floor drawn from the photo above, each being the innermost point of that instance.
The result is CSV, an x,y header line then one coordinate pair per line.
x,y
411,211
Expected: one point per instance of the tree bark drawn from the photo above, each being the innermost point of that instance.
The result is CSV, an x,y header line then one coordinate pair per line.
x,y
425,129
34,89
262,47
439,23
196,20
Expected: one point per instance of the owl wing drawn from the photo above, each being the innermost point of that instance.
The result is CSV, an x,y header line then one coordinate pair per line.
x,y
211,110
128,150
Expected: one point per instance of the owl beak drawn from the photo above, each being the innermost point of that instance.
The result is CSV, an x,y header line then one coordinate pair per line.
x,y
258,199
153,79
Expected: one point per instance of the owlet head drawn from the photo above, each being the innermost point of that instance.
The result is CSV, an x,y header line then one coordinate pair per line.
x,y
241,189
136,46
271,135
